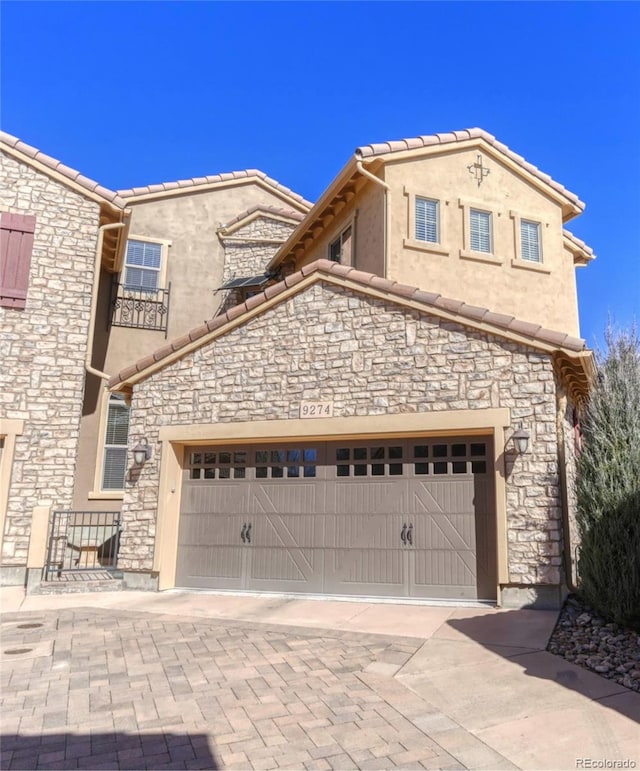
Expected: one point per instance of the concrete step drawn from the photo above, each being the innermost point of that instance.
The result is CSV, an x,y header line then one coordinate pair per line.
x,y
77,585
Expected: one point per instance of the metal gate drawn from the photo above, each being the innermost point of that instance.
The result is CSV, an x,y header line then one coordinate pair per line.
x,y
82,542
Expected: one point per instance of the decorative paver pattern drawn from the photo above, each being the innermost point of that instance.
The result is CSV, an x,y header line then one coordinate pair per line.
x,y
132,690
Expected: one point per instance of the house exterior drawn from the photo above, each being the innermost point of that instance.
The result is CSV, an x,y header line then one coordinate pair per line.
x,y
342,418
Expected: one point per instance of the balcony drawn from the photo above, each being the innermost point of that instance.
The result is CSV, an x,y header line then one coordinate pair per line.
x,y
139,308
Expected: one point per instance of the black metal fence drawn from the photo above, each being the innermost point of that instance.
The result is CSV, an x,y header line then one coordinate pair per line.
x,y
82,542
139,308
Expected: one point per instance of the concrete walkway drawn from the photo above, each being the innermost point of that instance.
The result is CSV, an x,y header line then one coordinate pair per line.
x,y
196,680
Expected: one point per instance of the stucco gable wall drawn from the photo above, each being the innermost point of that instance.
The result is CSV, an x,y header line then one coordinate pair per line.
x,y
544,294
370,358
44,346
196,256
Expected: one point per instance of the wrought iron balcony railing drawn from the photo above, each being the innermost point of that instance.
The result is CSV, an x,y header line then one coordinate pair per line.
x,y
139,308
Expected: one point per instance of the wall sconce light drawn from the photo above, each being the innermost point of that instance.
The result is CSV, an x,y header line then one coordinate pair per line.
x,y
142,452
521,440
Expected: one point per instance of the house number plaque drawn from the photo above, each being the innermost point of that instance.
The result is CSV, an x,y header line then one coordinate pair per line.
x,y
316,409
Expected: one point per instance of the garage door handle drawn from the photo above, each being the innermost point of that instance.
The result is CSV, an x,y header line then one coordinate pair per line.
x,y
403,534
410,535
248,533
242,533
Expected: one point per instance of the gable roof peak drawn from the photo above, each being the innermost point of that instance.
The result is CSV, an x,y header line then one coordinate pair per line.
x,y
196,183
369,152
51,166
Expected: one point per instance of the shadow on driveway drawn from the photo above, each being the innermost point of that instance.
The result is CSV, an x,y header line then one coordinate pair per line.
x,y
107,750
517,637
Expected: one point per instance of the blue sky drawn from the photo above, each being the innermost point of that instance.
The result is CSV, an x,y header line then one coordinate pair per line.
x,y
138,93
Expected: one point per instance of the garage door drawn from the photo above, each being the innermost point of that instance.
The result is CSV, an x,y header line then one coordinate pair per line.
x,y
394,518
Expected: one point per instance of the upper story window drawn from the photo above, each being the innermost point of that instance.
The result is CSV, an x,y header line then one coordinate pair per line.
x,y
16,244
340,249
143,263
530,241
480,236
140,295
427,220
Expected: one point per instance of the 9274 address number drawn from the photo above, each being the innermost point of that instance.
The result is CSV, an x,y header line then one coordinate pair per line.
x,y
316,409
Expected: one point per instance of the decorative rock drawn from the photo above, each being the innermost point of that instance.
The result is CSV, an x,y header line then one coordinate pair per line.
x,y
586,639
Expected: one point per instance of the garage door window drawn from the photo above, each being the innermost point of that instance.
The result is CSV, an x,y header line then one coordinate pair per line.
x,y
218,465
281,463
455,458
369,461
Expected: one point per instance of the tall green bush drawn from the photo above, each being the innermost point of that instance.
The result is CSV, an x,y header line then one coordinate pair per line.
x,y
608,484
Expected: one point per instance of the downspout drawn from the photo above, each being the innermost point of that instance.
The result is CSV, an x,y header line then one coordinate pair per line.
x,y
94,299
387,188
561,402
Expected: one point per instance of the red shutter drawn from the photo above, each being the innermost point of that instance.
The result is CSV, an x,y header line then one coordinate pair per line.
x,y
16,245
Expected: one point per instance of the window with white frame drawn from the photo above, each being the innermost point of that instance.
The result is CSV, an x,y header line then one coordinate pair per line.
x,y
143,263
427,220
530,241
480,236
114,465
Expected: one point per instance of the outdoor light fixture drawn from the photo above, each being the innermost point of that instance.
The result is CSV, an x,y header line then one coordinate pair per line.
x,y
521,440
142,452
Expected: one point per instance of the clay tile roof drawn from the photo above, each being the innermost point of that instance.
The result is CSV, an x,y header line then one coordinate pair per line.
x,y
578,243
196,182
384,148
267,210
460,310
75,176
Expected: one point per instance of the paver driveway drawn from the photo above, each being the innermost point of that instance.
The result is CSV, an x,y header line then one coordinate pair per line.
x,y
114,689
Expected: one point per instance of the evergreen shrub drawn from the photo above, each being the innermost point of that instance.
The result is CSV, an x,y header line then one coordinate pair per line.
x,y
608,484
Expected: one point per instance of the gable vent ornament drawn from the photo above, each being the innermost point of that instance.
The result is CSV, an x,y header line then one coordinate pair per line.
x,y
478,170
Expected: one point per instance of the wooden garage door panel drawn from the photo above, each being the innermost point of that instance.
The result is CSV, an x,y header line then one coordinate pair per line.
x,y
273,569
207,530
286,497
370,496
210,567
364,531
366,571
212,498
290,531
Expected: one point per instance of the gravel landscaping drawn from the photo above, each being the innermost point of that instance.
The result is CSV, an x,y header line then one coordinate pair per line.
x,y
585,638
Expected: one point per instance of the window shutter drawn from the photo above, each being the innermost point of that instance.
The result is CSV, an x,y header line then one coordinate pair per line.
x,y
480,222
426,220
530,241
16,245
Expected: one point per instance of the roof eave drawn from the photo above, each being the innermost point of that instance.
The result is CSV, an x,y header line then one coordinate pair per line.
x,y
344,176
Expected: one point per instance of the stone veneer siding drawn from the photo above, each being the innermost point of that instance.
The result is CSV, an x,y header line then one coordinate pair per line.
x,y
369,357
250,258
43,346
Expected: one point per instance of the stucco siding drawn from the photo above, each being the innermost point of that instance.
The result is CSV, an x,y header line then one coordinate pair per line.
x,y
370,358
43,347
194,267
544,294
